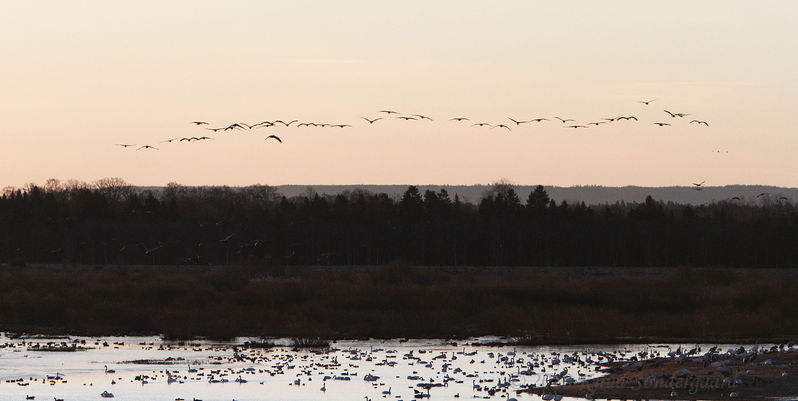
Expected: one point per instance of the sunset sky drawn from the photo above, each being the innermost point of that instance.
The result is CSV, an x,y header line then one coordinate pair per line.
x,y
79,77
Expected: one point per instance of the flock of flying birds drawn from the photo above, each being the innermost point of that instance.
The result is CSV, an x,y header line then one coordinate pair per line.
x,y
388,114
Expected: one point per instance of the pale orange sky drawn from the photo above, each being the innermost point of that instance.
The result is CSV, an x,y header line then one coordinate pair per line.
x,y
79,77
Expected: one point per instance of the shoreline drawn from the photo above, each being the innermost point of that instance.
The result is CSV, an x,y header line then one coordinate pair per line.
x,y
748,375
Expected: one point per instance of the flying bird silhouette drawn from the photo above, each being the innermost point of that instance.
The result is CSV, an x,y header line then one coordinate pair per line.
x,y
147,147
372,121
389,111
501,126
458,119
306,125
481,125
576,126
340,125
423,117
199,123
676,114
646,102
275,137
407,118
124,145
564,120
627,118
699,122
537,120
285,123
661,124
700,183
597,123
170,140
519,122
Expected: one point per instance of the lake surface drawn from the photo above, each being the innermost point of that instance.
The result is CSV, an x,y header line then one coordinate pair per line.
x,y
147,368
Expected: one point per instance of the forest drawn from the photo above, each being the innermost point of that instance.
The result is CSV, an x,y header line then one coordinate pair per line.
x,y
110,222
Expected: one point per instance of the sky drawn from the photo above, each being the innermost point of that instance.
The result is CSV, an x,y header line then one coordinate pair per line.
x,y
79,77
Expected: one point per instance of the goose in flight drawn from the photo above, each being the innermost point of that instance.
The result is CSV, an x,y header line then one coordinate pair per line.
x,y
537,120
481,125
564,120
700,184
661,124
340,125
372,121
306,125
611,119
646,102
628,118
459,119
576,126
700,122
676,114
407,118
284,123
263,124
237,126
519,122
147,147
275,137
389,112
215,129
170,140
501,126
124,145
423,117
199,123
597,123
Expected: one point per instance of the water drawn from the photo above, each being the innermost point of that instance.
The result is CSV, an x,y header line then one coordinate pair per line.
x,y
270,373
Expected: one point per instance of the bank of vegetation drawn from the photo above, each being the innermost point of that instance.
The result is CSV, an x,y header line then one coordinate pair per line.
x,y
400,300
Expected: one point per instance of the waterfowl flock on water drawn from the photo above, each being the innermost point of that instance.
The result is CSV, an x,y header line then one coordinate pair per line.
x,y
398,370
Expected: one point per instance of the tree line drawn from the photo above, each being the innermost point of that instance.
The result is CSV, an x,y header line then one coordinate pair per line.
x,y
111,222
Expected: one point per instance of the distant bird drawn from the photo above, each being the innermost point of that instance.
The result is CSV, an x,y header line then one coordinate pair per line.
x,y
262,124
407,118
203,138
646,102
501,126
199,123
285,123
564,120
124,145
275,137
147,147
306,125
597,123
699,122
340,125
537,120
481,125
628,118
576,126
661,124
372,121
611,119
423,117
676,114
215,129
236,126
170,140
389,111
458,119
700,184
517,122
